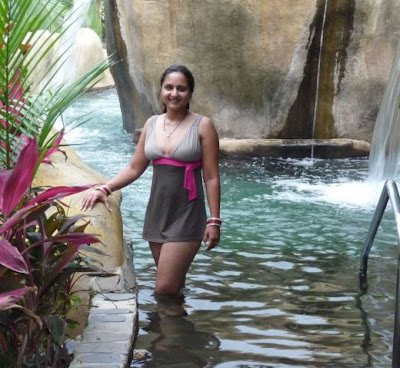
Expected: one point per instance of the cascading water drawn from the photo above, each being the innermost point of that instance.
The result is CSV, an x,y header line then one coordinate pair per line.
x,y
318,79
385,148
67,51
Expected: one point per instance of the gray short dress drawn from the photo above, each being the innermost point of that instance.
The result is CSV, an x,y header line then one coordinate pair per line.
x,y
170,215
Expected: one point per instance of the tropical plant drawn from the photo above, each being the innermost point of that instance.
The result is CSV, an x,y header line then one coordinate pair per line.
x,y
56,6
40,251
95,18
40,245
24,44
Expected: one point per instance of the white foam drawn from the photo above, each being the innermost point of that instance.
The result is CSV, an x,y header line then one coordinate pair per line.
x,y
307,162
351,193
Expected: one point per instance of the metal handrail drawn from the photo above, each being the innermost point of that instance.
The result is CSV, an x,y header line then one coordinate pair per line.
x,y
389,192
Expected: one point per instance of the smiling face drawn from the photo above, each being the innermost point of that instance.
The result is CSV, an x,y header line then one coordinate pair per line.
x,y
175,91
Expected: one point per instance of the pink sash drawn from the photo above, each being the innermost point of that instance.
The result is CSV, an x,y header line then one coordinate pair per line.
x,y
189,180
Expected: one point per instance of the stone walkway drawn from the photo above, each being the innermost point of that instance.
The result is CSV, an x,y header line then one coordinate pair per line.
x,y
112,325
107,341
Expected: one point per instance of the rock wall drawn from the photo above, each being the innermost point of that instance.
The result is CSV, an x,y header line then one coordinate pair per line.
x,y
264,69
371,52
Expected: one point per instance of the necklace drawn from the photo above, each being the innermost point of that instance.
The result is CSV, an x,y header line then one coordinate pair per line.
x,y
176,126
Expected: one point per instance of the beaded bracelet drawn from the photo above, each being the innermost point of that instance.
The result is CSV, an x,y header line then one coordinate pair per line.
x,y
214,221
211,224
105,189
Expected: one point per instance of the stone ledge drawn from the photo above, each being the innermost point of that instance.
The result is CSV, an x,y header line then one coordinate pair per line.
x,y
112,324
107,341
294,148
288,148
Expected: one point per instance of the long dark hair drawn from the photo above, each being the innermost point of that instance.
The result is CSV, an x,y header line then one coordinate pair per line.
x,y
180,69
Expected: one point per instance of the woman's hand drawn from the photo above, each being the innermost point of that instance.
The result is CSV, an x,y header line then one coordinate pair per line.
x,y
92,198
211,237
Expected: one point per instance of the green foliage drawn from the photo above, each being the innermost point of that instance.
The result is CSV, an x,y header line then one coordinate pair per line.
x,y
95,18
40,244
29,106
33,330
40,252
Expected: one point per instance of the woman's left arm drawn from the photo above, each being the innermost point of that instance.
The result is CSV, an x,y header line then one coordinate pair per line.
x,y
210,152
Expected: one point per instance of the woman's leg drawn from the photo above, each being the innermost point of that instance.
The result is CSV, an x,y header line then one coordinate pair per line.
x,y
155,251
173,261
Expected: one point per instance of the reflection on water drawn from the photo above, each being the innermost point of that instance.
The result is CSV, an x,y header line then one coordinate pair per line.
x,y
174,338
282,289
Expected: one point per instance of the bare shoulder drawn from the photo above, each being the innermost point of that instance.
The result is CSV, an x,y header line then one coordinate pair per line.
x,y
206,122
206,126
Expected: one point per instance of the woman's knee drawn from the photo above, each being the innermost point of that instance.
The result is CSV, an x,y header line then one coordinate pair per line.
x,y
165,287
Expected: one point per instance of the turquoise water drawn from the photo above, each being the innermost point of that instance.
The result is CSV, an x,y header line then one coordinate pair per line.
x,y
281,290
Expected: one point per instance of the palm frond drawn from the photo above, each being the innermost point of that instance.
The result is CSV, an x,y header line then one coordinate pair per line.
x,y
57,6
30,102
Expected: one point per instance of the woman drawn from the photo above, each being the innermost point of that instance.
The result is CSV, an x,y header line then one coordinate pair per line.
x,y
180,144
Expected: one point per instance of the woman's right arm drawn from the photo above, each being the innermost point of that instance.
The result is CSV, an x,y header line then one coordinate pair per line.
x,y
127,175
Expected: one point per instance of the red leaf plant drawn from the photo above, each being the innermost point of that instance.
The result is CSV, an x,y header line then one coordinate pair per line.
x,y
40,252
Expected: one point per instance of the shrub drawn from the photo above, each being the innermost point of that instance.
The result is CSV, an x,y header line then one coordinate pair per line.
x,y
39,254
40,245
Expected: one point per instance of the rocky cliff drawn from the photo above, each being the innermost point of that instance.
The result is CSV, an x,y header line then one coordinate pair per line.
x,y
264,69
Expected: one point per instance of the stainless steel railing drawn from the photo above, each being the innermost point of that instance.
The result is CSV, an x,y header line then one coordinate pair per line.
x,y
389,192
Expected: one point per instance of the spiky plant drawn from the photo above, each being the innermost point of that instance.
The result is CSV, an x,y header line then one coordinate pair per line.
x,y
29,30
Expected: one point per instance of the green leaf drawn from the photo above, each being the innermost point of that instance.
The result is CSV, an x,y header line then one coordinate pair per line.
x,y
57,327
65,228
71,324
28,112
89,249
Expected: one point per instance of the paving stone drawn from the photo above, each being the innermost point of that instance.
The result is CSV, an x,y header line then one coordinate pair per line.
x,y
112,327
111,311
101,358
128,318
108,304
101,318
99,347
114,296
101,336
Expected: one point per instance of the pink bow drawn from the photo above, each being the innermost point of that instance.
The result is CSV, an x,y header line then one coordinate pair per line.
x,y
189,180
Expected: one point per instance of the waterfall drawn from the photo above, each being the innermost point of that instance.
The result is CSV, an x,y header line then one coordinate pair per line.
x,y
321,42
385,148
67,52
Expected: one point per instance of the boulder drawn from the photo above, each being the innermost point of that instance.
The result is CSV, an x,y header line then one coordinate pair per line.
x,y
86,51
263,69
107,225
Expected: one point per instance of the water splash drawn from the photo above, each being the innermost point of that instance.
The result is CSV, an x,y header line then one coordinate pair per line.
x,y
385,147
308,161
349,194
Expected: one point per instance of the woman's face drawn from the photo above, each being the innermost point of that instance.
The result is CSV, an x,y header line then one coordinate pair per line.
x,y
175,91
